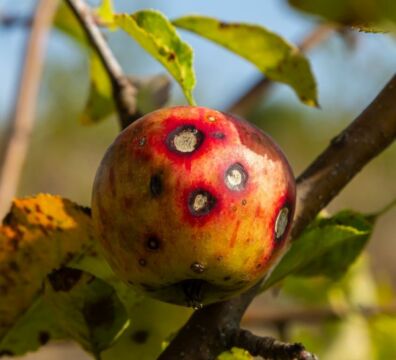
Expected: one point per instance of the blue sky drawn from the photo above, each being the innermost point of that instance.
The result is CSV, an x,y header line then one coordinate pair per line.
x,y
347,79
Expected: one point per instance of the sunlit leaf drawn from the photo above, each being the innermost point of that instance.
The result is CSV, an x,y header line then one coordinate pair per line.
x,y
100,104
35,328
105,12
327,247
152,323
153,31
38,235
86,308
365,15
274,56
235,354
66,22
93,263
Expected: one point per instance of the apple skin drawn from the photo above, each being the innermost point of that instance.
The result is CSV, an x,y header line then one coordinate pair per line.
x,y
193,206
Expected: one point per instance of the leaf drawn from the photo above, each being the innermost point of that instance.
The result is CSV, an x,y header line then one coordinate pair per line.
x,y
327,247
100,103
86,308
153,92
365,15
66,22
274,56
152,322
235,354
153,31
39,234
35,328
105,12
93,263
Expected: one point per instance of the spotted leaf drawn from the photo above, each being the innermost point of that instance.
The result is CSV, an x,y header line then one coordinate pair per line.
x,y
153,31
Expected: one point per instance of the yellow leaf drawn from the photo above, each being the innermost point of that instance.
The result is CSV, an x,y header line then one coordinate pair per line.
x,y
39,234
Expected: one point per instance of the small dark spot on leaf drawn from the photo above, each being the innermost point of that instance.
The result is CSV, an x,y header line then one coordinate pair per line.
x,y
140,336
43,337
197,267
258,266
219,258
244,202
171,56
14,266
50,217
156,185
14,242
131,282
100,312
27,210
38,208
64,279
226,278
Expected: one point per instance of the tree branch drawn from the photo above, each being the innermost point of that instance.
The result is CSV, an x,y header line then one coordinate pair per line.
x,y
19,129
124,92
269,348
243,105
206,334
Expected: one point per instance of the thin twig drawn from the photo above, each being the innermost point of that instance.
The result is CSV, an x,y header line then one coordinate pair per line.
x,y
268,347
19,129
252,96
205,334
124,92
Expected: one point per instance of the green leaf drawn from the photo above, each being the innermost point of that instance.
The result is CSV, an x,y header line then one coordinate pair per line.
x,y
86,308
365,15
235,354
35,328
66,22
105,12
153,31
152,323
93,263
327,247
39,234
100,104
274,56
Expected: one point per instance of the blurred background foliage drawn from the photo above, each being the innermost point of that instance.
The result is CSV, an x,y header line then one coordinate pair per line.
x,y
352,318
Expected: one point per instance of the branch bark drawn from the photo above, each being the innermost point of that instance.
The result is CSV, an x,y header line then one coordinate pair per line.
x,y
206,334
124,92
245,103
18,133
269,348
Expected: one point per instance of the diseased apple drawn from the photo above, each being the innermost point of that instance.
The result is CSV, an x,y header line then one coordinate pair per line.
x,y
193,206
